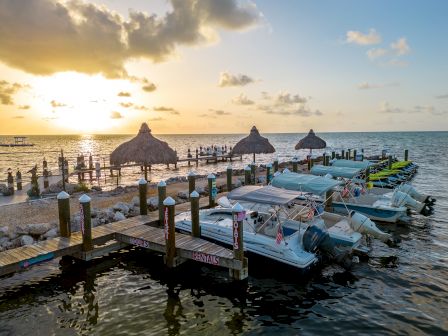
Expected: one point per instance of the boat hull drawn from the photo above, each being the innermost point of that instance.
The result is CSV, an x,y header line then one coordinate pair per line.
x,y
377,214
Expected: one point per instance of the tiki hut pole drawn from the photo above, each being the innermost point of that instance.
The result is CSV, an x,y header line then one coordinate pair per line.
x,y
143,149
253,144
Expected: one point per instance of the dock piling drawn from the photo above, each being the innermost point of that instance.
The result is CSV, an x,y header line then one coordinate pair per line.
x,y
406,154
161,192
86,223
389,162
195,228
333,155
253,169
10,182
247,173
19,180
295,164
276,164
229,173
238,215
191,182
354,155
170,232
268,173
64,214
142,191
212,190
46,183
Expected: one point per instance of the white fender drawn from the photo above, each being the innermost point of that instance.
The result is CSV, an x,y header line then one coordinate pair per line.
x,y
364,225
400,198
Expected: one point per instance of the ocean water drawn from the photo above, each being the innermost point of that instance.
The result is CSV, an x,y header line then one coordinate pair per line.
x,y
397,291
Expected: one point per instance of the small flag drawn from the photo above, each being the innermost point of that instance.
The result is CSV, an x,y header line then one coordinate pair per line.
x,y
279,237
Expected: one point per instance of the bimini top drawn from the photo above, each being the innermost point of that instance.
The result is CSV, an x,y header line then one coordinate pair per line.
x,y
264,195
352,164
346,172
305,183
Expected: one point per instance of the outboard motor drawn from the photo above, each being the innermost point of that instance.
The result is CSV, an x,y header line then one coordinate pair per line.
x,y
400,198
411,191
317,238
364,225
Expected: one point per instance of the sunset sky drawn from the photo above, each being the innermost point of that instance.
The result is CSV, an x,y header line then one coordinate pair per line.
x,y
205,66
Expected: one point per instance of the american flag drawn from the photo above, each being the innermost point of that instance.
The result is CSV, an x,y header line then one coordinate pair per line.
x,y
279,237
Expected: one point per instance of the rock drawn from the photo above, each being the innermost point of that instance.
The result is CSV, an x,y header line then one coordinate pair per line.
x,y
4,230
21,230
136,201
153,203
52,233
4,241
238,183
3,188
119,216
96,222
261,179
38,229
75,223
94,212
183,194
96,188
200,190
122,207
26,240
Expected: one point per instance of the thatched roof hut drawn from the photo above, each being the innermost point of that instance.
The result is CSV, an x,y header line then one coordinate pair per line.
x,y
311,141
254,143
143,149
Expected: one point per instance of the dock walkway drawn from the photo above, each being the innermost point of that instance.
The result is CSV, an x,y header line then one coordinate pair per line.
x,y
113,236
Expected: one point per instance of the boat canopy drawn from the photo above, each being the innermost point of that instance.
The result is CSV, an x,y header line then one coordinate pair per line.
x,y
304,183
346,172
264,195
352,164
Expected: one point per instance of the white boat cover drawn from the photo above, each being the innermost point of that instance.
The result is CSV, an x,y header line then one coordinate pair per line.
x,y
304,183
264,195
352,164
346,172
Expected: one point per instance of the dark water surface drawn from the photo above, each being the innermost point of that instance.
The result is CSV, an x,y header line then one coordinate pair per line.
x,y
398,291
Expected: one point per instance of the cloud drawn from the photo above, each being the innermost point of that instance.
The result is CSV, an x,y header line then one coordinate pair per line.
x,y
368,86
24,107
375,53
242,100
127,104
397,63
61,36
443,96
227,79
56,104
8,90
356,37
157,119
301,111
385,107
285,98
287,104
141,108
18,117
219,112
124,94
149,87
116,115
265,95
165,109
400,47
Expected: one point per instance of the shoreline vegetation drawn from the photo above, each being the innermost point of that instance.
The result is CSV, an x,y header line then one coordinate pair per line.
x,y
27,222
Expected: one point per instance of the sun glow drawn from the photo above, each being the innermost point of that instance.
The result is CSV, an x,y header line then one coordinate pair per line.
x,y
81,103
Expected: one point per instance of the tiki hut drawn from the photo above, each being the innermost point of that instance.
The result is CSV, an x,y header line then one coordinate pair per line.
x,y
311,141
254,143
144,149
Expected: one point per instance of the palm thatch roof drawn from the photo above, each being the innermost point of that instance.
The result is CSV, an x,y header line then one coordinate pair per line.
x,y
144,149
311,141
254,143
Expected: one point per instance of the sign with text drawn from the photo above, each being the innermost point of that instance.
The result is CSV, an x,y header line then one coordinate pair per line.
x,y
165,224
206,258
235,230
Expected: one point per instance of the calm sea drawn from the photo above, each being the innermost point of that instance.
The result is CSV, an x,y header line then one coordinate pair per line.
x,y
398,291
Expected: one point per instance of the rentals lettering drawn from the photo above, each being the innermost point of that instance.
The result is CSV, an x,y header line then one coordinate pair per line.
x,y
165,223
206,258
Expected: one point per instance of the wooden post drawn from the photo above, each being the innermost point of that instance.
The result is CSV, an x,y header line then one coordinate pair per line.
x,y
191,182
170,232
44,164
229,177
10,182
161,192
19,180
311,162
329,200
354,155
347,157
406,154
90,167
367,174
253,169
294,165
342,154
276,164
212,190
195,229
349,152
268,173
247,173
146,171
142,191
389,163
238,240
64,214
46,184
86,223
333,155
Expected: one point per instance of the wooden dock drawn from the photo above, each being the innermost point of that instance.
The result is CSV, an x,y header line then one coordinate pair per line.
x,y
114,236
